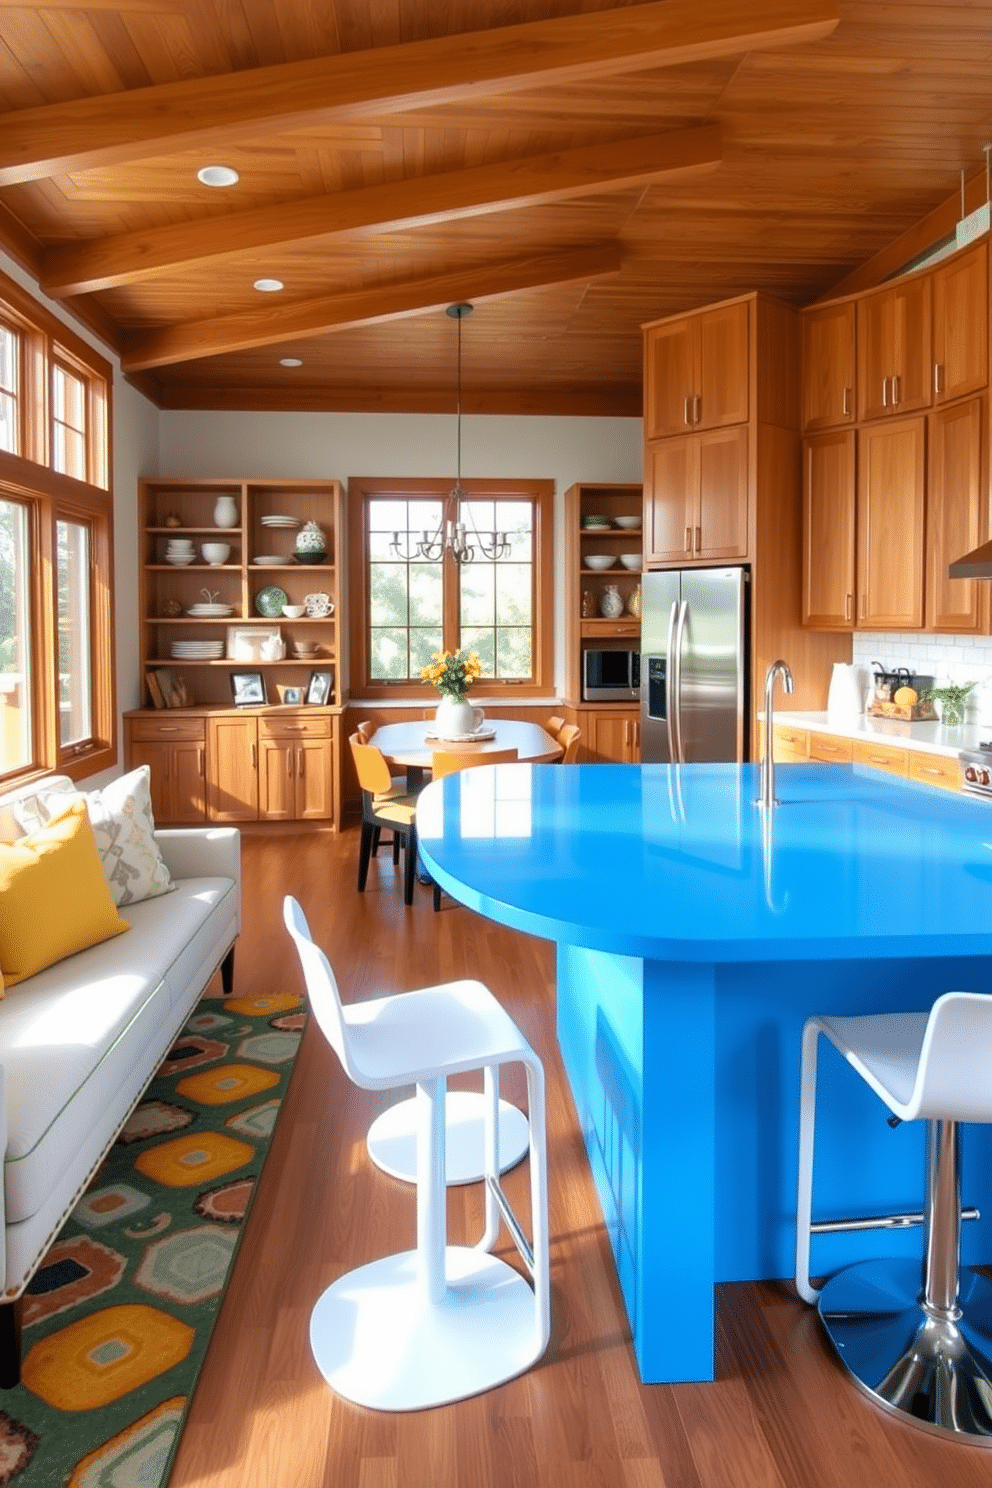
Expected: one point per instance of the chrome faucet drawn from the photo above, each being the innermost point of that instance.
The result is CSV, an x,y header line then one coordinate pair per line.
x,y
767,796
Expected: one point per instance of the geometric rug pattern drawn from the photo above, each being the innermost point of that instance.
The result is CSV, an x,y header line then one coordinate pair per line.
x,y
118,1317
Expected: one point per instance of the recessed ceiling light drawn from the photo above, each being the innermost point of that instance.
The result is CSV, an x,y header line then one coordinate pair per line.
x,y
268,286
218,175
291,361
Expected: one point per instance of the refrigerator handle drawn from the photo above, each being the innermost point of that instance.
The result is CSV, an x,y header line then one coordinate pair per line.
x,y
676,700
670,685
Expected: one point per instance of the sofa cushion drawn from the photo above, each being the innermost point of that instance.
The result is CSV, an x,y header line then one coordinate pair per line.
x,y
54,897
122,821
77,1034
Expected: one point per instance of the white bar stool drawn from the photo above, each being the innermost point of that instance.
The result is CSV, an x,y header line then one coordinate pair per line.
x,y
441,1322
922,1349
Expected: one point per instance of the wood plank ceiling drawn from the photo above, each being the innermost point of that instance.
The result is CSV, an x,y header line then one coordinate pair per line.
x,y
573,167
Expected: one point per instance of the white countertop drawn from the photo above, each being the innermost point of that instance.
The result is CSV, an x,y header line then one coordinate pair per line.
x,y
931,738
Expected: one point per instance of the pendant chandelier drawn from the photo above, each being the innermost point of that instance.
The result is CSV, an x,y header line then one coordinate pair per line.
x,y
453,535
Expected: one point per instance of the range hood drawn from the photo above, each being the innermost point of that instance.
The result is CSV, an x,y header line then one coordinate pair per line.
x,y
974,565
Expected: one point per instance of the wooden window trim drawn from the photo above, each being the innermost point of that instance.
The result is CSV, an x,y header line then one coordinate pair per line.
x,y
541,493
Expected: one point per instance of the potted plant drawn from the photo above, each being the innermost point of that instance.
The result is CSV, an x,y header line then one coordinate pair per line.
x,y
452,673
952,698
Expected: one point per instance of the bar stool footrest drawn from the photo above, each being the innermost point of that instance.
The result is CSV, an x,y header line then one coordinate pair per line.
x,y
392,1138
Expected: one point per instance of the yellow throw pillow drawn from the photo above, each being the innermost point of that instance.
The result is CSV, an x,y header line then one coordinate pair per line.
x,y
54,896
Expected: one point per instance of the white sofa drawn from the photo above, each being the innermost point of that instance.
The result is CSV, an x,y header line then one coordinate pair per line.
x,y
80,1040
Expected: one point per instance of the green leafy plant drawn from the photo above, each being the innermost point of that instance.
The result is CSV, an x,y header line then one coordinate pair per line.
x,y
952,699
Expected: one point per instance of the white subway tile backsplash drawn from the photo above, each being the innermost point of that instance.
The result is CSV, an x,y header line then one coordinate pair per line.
x,y
947,658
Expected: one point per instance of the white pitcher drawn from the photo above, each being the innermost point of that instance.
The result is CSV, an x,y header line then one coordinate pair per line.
x,y
845,699
455,717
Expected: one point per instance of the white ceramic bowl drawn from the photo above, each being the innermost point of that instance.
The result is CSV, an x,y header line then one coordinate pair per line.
x,y
179,559
629,524
630,560
216,553
599,560
293,612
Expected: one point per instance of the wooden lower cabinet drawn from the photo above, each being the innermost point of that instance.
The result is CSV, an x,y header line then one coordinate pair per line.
x,y
882,756
831,749
935,769
790,744
174,751
296,769
612,738
229,766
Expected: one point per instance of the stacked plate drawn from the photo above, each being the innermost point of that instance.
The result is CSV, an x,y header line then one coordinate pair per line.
x,y
197,650
210,611
269,558
179,550
281,521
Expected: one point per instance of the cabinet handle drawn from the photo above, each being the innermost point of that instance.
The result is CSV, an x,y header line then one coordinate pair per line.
x,y
299,763
847,606
846,401
201,760
930,770
168,728
885,392
254,756
895,392
686,416
289,763
688,539
697,404
626,731
938,377
699,539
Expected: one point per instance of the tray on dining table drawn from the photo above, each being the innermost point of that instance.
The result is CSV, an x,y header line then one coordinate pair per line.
x,y
475,737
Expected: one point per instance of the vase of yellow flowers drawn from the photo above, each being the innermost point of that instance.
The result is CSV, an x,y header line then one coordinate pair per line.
x,y
453,673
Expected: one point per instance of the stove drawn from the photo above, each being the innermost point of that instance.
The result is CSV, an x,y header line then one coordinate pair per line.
x,y
976,770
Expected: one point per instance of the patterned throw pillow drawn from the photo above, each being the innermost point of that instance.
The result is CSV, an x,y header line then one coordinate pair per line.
x,y
124,827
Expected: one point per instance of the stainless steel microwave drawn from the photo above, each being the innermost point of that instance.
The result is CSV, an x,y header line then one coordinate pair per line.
x,y
611,676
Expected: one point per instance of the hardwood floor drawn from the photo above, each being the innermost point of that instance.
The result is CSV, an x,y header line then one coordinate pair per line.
x,y
780,1415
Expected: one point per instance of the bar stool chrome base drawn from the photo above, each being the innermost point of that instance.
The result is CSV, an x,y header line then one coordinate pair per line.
x,y
392,1138
379,1341
932,1372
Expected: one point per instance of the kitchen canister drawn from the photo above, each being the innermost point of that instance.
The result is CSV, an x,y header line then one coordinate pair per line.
x,y
845,700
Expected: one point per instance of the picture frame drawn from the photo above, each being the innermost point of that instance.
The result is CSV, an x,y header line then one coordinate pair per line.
x,y
293,696
248,689
319,687
245,643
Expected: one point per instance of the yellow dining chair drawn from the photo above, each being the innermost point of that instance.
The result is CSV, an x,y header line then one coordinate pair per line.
x,y
569,737
451,761
383,807
554,726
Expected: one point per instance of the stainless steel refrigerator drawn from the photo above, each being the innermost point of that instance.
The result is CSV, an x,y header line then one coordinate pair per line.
x,y
695,639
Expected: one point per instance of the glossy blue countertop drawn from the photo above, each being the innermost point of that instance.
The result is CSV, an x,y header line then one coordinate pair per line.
x,y
676,862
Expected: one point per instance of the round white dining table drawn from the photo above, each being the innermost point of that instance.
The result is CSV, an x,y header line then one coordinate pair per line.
x,y
408,746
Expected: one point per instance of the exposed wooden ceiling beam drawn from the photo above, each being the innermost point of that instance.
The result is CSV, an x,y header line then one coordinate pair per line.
x,y
280,323
53,139
560,400
419,200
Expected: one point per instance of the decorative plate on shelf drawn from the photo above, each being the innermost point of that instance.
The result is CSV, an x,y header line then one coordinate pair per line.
x,y
269,601
276,521
319,606
269,559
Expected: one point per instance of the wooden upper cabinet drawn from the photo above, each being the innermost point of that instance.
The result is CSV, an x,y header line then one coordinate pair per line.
x,y
829,503
891,477
696,373
828,366
957,516
961,324
696,497
894,339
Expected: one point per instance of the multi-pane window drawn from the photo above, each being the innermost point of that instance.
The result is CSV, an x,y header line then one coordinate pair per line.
x,y
75,632
438,571
15,638
10,348
68,422
57,687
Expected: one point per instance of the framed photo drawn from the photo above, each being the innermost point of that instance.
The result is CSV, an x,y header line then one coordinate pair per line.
x,y
319,688
248,689
245,644
292,695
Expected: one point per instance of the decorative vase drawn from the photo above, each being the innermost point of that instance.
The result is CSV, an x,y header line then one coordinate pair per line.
x,y
311,545
226,512
455,716
611,604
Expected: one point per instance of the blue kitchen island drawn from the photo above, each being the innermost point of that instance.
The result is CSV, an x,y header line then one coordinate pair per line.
x,y
695,933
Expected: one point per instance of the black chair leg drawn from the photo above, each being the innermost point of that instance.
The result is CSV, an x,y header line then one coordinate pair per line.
x,y
396,847
437,897
376,831
227,973
10,1344
410,865
364,854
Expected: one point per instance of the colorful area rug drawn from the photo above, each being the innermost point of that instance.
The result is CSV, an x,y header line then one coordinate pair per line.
x,y
118,1318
